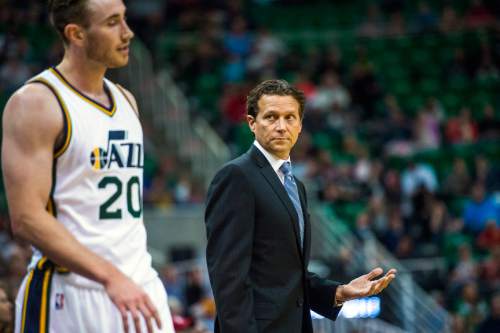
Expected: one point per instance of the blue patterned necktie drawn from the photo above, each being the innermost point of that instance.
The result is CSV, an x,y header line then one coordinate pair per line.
x,y
293,194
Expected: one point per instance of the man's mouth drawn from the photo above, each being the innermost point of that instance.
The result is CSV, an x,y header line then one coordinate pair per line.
x,y
124,49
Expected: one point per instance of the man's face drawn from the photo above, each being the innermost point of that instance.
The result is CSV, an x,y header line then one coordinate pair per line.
x,y
108,36
277,125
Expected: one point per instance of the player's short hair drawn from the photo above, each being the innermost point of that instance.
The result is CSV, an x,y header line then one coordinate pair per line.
x,y
64,12
273,87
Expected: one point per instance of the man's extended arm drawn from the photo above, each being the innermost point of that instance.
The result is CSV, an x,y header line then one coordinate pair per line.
x,y
32,123
229,220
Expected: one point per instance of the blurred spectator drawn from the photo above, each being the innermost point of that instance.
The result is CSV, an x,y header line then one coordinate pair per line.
x,y
394,234
478,15
330,93
471,307
183,189
457,324
6,311
304,83
392,188
487,69
365,89
267,50
13,74
459,66
489,270
425,19
487,174
233,103
234,69
395,129
427,130
479,209
397,24
341,265
450,21
172,283
416,175
239,40
194,291
489,238
373,25
330,61
438,219
462,129
454,237
428,125
458,181
377,211
466,269
363,227
489,125
492,322
405,247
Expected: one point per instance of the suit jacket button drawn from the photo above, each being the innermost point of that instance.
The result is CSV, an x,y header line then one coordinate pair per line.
x,y
300,302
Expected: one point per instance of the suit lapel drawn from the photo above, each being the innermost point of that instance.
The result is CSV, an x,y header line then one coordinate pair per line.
x,y
307,223
278,188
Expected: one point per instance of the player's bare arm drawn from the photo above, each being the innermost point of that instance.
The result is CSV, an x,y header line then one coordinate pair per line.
x,y
32,124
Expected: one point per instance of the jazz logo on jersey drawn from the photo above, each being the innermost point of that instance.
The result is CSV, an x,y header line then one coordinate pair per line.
x,y
59,301
118,153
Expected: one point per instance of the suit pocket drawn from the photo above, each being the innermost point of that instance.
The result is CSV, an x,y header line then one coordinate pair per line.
x,y
265,310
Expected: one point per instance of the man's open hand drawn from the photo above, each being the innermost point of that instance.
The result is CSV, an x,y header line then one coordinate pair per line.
x,y
365,285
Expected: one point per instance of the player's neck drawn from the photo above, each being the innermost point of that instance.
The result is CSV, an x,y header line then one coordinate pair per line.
x,y
84,75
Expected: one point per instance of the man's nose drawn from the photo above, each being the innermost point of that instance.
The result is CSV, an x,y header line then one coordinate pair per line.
x,y
281,124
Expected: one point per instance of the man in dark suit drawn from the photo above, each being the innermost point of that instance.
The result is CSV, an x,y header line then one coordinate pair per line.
x,y
259,233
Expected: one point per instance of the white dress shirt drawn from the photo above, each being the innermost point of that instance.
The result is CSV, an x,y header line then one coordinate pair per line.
x,y
274,161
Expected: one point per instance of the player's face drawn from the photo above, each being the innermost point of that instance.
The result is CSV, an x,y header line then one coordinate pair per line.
x,y
108,36
277,125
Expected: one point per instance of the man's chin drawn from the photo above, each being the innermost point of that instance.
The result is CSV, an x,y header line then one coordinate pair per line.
x,y
118,63
281,151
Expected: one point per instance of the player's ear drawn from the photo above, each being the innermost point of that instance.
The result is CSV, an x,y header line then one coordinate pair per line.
x,y
74,34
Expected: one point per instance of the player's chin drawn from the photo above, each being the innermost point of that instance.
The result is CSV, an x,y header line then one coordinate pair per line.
x,y
118,62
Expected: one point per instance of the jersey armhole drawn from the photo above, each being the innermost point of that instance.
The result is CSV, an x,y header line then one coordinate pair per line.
x,y
128,99
67,128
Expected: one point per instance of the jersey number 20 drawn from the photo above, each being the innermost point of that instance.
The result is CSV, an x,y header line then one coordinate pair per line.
x,y
135,209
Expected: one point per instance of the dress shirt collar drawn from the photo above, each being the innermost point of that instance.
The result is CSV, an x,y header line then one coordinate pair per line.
x,y
273,160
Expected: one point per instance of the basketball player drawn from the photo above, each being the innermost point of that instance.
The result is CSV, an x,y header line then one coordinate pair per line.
x,y
72,158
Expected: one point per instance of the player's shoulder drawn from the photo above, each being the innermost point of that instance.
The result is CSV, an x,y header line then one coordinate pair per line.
x,y
33,103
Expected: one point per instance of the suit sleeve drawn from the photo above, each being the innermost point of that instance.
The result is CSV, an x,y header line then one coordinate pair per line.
x,y
229,219
321,291
322,296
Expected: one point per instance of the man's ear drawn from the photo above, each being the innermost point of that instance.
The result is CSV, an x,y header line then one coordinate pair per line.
x,y
251,122
74,34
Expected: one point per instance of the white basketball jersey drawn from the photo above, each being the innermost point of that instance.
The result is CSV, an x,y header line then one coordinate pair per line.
x,y
98,178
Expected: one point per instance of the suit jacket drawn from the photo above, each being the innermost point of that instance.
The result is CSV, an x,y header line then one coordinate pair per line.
x,y
257,269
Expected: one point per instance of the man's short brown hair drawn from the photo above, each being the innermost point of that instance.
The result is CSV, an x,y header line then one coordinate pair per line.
x,y
64,12
273,87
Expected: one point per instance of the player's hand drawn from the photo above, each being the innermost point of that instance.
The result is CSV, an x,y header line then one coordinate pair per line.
x,y
365,285
130,298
